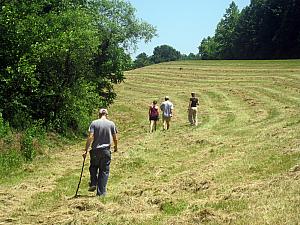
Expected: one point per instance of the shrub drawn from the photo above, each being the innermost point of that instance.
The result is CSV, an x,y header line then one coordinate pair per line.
x,y
36,132
4,127
9,161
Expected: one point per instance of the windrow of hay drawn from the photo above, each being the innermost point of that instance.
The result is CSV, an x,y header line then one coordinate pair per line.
x,y
239,166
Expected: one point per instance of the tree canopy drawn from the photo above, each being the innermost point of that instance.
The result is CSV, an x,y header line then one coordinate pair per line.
x,y
60,59
165,53
162,53
266,29
142,60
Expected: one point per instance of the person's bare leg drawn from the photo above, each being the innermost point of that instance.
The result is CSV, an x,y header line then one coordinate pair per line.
x,y
190,116
196,118
168,125
164,124
151,125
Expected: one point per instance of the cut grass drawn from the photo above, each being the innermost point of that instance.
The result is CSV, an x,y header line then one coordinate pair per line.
x,y
239,166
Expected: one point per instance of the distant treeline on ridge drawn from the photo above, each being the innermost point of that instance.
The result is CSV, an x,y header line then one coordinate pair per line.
x,y
266,29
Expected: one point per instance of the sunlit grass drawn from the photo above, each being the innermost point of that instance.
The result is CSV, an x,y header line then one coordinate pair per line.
x,y
239,166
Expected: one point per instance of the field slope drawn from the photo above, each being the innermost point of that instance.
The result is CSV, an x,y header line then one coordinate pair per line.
x,y
241,165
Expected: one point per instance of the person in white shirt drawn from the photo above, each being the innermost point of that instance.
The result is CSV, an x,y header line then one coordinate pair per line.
x,y
167,108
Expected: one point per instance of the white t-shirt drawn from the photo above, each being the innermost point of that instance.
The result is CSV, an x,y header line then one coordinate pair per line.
x,y
167,108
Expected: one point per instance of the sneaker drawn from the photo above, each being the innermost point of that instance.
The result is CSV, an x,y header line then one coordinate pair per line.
x,y
92,188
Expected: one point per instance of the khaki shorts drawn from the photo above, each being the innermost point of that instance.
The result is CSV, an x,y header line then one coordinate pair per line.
x,y
167,119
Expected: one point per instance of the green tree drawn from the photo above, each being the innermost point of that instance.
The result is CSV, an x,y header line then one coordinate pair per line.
x,y
268,29
254,32
142,60
225,32
285,37
190,56
208,48
165,53
60,59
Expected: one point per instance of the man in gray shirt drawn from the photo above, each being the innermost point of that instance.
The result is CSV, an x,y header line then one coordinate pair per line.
x,y
102,132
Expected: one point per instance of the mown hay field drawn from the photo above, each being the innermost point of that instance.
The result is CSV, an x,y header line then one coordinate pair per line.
x,y
240,165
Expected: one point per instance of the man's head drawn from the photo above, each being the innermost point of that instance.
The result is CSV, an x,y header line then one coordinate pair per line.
x,y
167,98
193,94
103,112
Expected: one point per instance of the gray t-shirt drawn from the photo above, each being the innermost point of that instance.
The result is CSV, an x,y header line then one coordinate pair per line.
x,y
103,129
167,108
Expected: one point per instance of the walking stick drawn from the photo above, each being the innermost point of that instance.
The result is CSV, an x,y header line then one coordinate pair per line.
x,y
80,174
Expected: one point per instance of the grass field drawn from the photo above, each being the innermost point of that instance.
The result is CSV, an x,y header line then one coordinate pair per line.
x,y
241,165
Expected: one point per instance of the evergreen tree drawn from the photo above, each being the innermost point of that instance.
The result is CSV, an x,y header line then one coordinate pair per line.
x,y
266,29
225,32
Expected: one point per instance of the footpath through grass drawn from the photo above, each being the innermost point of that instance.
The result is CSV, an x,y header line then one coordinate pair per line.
x,y
241,165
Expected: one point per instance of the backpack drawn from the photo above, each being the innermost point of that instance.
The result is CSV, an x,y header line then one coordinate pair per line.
x,y
153,111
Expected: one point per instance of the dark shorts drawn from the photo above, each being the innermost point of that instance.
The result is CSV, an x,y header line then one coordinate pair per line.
x,y
155,118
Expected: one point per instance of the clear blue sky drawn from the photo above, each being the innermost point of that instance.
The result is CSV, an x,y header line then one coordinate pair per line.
x,y
181,24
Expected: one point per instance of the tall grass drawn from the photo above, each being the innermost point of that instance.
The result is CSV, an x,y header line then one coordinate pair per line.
x,y
18,147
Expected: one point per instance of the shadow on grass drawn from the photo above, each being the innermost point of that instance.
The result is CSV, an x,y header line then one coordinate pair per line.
x,y
81,196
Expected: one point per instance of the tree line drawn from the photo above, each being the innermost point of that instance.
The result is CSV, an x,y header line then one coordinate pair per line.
x,y
60,59
162,53
266,29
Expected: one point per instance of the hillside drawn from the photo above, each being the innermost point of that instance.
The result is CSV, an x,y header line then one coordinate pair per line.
x,y
241,165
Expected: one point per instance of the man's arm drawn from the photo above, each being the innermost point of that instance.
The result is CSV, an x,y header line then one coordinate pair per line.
x,y
162,107
115,139
89,140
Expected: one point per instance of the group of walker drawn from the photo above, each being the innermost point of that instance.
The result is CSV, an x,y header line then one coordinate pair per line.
x,y
167,108
103,132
